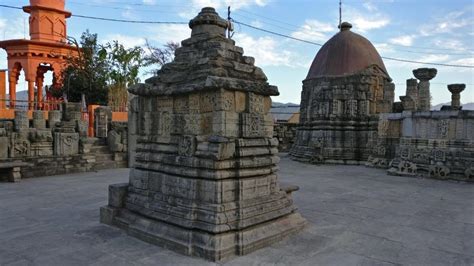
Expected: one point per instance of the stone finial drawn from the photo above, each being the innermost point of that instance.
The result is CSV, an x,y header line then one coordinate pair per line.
x,y
456,90
425,74
208,21
345,26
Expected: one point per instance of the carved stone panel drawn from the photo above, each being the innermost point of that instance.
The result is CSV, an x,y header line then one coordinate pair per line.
x,y
20,146
187,146
252,125
443,128
256,103
66,143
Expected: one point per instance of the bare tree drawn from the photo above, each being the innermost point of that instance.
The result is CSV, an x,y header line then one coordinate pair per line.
x,y
157,56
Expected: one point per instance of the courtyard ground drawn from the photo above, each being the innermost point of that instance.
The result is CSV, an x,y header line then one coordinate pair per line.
x,y
357,216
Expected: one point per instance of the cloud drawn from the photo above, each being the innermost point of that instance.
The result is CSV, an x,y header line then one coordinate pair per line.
x,y
314,30
364,21
196,5
13,29
125,40
266,50
149,2
165,33
405,40
450,23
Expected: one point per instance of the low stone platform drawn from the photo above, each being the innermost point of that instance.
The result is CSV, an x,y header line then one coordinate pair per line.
x,y
356,215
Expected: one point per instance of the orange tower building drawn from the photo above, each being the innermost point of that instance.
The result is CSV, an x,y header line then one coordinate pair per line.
x,y
47,50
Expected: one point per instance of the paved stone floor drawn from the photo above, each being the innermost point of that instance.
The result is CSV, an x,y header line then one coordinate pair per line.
x,y
357,215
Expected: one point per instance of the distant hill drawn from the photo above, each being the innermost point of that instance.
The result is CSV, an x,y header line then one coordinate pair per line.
x,y
466,106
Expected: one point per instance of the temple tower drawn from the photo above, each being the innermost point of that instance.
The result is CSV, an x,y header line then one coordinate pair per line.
x,y
204,181
346,88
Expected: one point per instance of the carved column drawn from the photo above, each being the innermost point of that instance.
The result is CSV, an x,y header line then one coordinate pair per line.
x,y
456,90
424,96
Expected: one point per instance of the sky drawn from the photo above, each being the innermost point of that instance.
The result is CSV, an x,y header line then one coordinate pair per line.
x,y
435,31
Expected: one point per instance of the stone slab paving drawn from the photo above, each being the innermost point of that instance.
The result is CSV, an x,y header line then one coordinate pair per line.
x,y
358,216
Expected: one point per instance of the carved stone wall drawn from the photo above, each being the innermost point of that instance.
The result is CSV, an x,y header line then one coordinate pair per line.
x,y
438,144
204,178
286,134
339,116
61,148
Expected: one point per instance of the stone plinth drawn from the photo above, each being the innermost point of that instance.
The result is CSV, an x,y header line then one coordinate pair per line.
x,y
424,96
54,117
204,179
456,90
21,120
38,120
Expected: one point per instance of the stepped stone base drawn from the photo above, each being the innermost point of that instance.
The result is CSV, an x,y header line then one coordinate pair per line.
x,y
214,247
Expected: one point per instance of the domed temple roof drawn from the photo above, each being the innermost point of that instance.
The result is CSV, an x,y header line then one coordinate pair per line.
x,y
345,53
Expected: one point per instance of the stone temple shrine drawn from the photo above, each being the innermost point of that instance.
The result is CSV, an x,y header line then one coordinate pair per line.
x,y
346,87
348,116
204,179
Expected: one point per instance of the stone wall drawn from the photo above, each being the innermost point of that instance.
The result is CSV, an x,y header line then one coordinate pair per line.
x,y
285,133
339,116
59,144
438,144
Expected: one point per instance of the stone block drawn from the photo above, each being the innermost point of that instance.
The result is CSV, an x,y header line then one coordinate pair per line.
x,y
4,147
54,117
21,120
66,144
117,193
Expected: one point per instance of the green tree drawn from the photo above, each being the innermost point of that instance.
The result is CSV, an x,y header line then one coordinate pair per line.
x,y
88,72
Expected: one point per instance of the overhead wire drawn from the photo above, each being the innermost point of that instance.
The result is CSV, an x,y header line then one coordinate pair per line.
x,y
253,27
318,44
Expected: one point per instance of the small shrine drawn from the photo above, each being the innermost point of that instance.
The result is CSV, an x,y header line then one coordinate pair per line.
x,y
46,50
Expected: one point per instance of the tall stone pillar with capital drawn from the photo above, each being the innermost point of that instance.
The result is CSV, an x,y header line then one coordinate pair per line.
x,y
424,96
456,90
204,181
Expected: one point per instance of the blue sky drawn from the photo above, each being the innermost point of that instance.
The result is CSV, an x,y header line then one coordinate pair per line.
x,y
438,31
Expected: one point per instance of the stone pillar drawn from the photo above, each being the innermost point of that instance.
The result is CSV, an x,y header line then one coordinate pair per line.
x,y
424,96
205,181
456,90
72,111
412,89
21,120
38,120
54,117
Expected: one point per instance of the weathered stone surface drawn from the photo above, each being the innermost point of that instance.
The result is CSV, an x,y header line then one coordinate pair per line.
x,y
39,121
21,120
437,144
102,119
66,143
54,117
339,116
204,177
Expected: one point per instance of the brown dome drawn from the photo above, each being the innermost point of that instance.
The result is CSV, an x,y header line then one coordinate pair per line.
x,y
344,54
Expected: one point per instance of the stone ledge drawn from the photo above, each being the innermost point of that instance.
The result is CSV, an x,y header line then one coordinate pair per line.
x,y
215,247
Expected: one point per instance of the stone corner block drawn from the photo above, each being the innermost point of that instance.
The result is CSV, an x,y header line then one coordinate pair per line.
x,y
117,193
